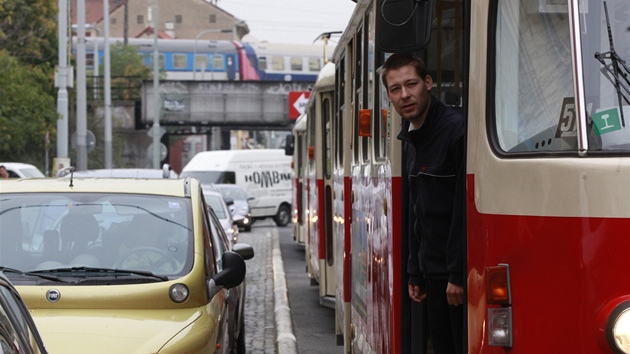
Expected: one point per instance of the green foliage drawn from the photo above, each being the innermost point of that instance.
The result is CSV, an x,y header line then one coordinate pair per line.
x,y
28,31
27,111
127,72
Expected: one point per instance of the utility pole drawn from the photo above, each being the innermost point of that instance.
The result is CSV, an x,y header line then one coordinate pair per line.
x,y
81,140
62,82
156,91
108,88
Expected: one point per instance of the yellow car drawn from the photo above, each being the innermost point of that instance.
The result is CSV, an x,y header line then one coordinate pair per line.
x,y
112,265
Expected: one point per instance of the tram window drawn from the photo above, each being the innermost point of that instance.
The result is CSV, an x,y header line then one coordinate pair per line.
x,y
296,64
314,64
277,63
201,61
217,62
180,61
262,63
380,121
339,105
326,113
533,88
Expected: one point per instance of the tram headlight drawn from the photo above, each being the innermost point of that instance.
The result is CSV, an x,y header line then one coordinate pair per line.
x,y
500,326
620,320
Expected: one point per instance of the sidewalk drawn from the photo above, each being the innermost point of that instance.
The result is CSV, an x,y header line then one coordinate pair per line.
x,y
268,326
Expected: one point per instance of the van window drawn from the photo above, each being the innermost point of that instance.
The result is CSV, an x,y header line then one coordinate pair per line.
x,y
207,177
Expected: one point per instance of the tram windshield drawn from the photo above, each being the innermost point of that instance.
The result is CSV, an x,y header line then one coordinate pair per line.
x,y
534,108
605,32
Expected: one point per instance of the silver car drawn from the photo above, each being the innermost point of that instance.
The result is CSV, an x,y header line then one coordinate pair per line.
x,y
240,208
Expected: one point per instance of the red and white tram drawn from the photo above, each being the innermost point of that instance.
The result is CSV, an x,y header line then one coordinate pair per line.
x,y
545,89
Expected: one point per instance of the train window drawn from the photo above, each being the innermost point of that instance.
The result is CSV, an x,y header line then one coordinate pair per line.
x,y
314,64
217,62
277,63
180,61
296,64
262,63
533,94
201,61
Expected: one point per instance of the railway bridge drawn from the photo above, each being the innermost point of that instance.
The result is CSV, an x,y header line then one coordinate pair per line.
x,y
226,104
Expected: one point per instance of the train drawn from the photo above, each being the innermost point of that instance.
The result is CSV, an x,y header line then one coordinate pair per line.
x,y
222,60
544,89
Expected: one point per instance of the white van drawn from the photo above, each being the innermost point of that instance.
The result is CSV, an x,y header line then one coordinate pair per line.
x,y
265,174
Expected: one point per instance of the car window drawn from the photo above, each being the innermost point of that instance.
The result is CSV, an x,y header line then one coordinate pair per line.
x,y
208,243
218,205
220,240
23,322
48,231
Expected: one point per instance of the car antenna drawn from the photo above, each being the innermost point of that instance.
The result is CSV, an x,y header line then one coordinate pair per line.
x,y
71,168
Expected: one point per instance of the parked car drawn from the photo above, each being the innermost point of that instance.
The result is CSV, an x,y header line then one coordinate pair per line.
x,y
120,265
22,170
165,172
215,200
236,298
241,206
18,333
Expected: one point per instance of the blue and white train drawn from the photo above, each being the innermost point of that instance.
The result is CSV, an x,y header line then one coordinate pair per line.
x,y
223,59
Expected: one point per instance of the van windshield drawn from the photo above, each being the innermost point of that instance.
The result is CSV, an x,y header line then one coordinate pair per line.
x,y
208,177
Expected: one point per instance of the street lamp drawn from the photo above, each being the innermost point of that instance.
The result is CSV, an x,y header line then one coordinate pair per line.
x,y
195,49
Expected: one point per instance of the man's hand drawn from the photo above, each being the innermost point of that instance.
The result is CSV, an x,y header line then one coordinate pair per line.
x,y
416,293
454,294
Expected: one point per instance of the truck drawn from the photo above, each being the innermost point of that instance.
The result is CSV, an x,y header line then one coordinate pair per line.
x,y
265,174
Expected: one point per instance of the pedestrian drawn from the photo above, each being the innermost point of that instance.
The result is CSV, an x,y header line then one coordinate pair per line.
x,y
3,172
433,140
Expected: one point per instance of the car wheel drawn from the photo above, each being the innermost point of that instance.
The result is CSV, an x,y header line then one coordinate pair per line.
x,y
283,216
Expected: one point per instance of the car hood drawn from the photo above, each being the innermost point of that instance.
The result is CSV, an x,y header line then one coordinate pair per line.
x,y
109,331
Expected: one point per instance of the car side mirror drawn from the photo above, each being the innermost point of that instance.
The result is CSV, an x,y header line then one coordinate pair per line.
x,y
244,250
232,275
289,145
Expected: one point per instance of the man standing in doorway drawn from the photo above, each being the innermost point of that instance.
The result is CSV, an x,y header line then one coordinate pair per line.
x,y
433,139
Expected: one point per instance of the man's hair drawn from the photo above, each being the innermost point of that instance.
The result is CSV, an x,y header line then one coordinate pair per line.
x,y
398,60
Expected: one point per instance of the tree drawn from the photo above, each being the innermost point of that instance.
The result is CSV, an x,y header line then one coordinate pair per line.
x,y
128,71
28,31
27,111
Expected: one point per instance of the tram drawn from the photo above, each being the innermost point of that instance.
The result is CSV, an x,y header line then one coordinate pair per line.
x,y
545,90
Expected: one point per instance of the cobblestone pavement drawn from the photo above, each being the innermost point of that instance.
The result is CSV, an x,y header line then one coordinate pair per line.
x,y
260,321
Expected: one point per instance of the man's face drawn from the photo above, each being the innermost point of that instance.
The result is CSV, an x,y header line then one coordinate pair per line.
x,y
4,173
409,93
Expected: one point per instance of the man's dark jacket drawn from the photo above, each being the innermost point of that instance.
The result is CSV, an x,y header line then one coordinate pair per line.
x,y
436,170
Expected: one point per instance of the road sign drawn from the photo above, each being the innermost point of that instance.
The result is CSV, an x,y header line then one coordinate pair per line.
x,y
297,103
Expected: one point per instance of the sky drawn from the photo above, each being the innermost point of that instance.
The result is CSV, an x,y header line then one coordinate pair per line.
x,y
290,21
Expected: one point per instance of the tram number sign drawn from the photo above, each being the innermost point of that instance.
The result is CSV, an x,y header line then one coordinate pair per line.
x,y
567,124
297,103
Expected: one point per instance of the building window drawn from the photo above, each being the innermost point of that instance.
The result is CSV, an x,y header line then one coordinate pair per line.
x,y
213,18
140,19
178,19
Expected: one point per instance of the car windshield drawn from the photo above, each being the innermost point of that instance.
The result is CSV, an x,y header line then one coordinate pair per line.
x,y
234,193
95,234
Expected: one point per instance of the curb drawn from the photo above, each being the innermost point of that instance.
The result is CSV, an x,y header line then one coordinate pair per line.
x,y
286,341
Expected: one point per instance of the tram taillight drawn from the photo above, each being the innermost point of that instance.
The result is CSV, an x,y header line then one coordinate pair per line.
x,y
499,292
